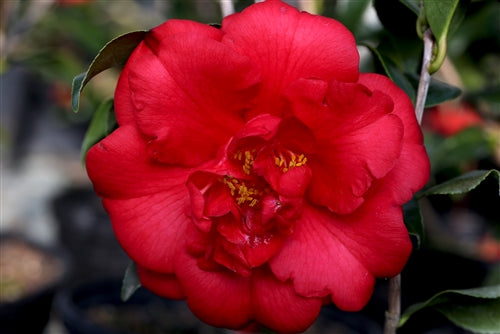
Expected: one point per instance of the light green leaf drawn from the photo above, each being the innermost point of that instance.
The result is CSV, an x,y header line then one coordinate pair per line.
x,y
413,220
439,15
115,53
102,124
463,183
130,282
477,309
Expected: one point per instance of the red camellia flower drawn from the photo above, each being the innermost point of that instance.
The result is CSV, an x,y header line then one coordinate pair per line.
x,y
255,172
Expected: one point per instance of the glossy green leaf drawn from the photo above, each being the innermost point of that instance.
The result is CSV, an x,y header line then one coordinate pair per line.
x,y
130,282
463,183
438,93
102,124
413,5
477,309
392,71
439,15
115,53
413,220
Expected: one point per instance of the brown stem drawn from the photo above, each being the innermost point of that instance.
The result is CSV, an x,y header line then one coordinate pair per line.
x,y
394,311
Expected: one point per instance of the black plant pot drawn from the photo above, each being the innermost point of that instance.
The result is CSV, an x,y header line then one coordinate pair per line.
x,y
96,307
29,312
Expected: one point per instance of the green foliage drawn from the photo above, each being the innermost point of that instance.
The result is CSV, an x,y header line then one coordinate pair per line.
x,y
115,53
413,220
477,309
102,124
463,183
130,282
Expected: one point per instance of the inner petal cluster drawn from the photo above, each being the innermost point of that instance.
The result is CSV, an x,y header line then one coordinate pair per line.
x,y
242,209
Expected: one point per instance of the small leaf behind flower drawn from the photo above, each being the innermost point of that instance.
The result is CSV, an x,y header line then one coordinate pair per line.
x,y
102,124
114,53
462,184
130,282
413,220
477,309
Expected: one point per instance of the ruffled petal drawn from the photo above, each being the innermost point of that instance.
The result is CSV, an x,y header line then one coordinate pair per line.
x,y
286,45
164,285
358,139
278,307
412,170
151,229
320,262
219,298
189,84
120,167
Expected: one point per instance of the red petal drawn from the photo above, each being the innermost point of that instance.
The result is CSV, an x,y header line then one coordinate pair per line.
x,y
221,299
358,140
151,228
123,106
190,97
320,261
278,307
164,285
287,45
376,235
119,167
403,107
412,169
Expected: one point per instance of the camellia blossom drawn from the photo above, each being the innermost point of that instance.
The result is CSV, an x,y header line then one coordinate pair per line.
x,y
255,172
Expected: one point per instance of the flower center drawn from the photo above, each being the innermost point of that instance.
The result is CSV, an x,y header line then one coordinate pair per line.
x,y
242,193
287,159
246,207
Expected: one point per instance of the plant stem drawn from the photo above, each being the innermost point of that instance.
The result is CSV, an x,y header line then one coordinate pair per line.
x,y
226,7
425,77
394,311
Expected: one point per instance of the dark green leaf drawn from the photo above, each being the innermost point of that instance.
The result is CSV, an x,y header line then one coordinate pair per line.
x,y
102,124
413,220
477,310
130,282
393,72
438,91
463,183
413,5
115,53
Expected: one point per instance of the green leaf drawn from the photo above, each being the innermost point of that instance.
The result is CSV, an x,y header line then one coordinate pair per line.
x,y
477,309
392,71
130,282
413,5
463,183
439,92
439,15
413,220
102,124
115,53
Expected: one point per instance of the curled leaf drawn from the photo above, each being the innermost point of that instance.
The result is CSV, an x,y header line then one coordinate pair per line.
x,y
477,309
114,53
